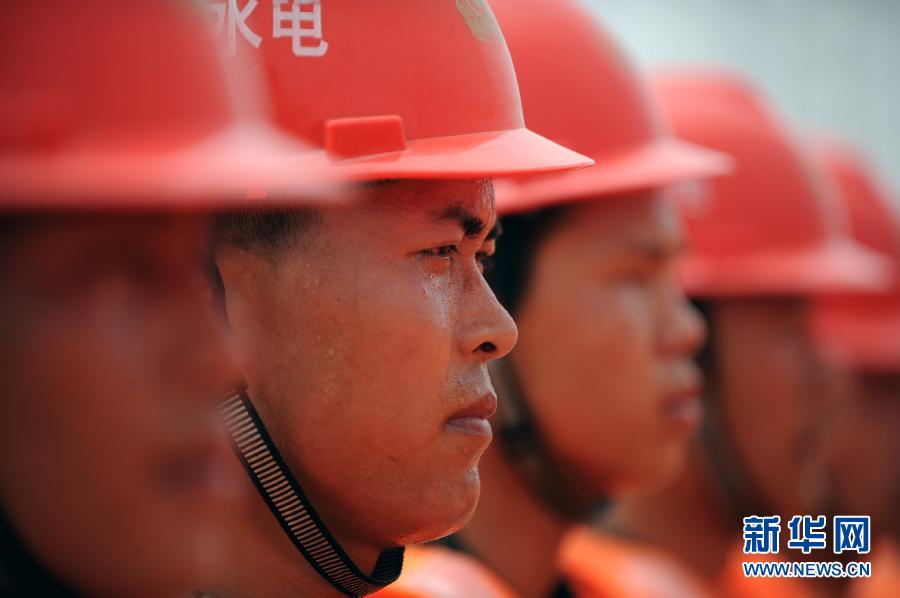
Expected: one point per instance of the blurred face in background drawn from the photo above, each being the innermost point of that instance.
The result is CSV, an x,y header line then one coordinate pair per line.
x,y
768,387
864,445
113,459
606,340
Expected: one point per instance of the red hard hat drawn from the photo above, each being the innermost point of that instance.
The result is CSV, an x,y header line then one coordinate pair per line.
x,y
580,90
861,331
771,228
393,89
129,104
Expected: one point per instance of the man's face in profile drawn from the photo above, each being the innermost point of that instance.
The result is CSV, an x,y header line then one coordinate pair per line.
x,y
365,349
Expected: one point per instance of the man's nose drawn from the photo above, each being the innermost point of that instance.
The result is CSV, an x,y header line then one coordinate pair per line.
x,y
487,329
683,331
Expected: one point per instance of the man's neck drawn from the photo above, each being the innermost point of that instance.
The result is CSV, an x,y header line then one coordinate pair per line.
x,y
255,557
511,532
690,519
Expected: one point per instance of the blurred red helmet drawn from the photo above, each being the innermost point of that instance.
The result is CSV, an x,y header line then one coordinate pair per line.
x,y
771,228
861,331
129,104
393,88
580,90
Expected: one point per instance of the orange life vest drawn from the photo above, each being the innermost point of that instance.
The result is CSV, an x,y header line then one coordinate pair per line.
x,y
598,565
885,580
436,572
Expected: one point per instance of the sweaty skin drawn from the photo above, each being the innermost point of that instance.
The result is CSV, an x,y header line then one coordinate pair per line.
x,y
365,347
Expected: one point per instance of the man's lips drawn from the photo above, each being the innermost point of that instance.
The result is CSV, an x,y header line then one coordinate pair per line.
x,y
473,418
682,404
684,407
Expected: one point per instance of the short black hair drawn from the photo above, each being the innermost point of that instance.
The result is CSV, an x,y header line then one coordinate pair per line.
x,y
511,264
266,232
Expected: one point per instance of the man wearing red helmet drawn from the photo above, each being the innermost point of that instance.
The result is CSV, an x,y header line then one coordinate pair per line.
x,y
767,242
861,335
364,332
600,396
120,133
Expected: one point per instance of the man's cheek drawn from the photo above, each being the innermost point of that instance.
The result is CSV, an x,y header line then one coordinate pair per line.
x,y
416,327
400,431
411,378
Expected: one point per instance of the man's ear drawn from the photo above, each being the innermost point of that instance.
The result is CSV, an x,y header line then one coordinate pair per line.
x,y
246,277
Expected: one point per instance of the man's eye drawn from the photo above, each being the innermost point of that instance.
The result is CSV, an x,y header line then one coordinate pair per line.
x,y
444,251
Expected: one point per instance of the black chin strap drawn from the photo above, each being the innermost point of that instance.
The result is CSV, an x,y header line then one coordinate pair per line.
x,y
292,508
522,444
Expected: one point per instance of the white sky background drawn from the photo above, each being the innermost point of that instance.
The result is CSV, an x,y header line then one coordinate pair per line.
x,y
826,64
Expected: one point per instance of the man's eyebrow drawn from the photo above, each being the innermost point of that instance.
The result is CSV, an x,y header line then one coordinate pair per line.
x,y
472,225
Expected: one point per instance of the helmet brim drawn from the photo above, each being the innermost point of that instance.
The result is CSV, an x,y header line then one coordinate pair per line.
x,y
660,164
860,333
474,155
245,166
839,266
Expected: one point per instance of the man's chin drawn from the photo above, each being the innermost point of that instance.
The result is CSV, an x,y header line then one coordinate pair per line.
x,y
451,515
